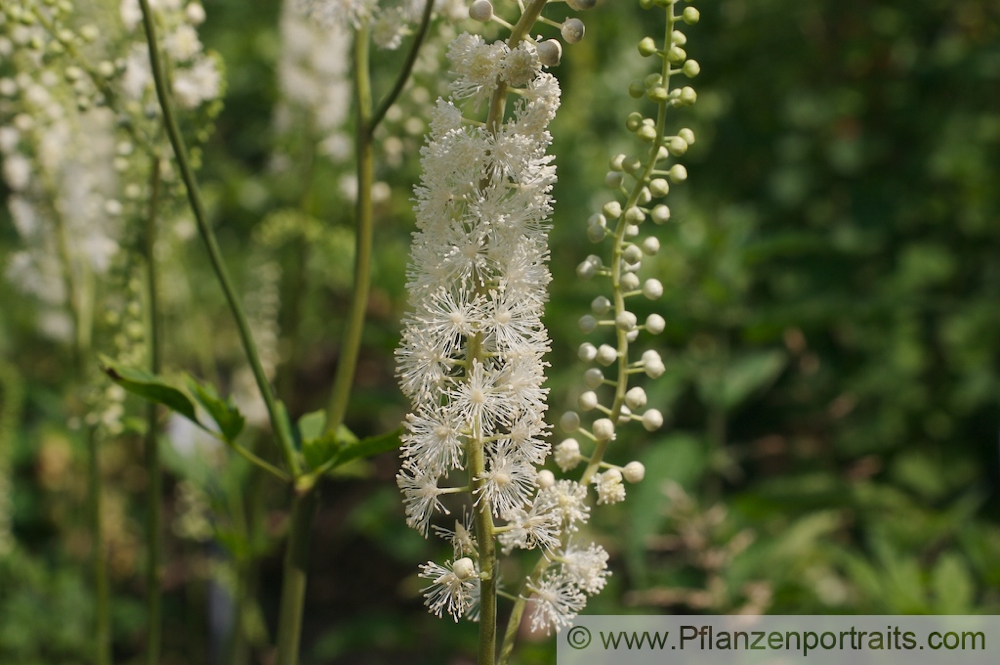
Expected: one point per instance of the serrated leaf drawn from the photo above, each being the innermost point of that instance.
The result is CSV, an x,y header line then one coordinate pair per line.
x,y
223,412
150,387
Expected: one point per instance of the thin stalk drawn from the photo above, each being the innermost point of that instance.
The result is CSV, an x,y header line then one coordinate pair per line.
x,y
102,605
485,534
404,73
293,589
277,416
154,538
354,326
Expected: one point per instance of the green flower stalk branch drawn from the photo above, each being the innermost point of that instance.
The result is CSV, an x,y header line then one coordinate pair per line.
x,y
651,181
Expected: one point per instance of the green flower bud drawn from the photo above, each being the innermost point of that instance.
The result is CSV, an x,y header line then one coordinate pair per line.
x,y
687,135
691,69
690,15
660,214
659,187
688,96
646,133
677,173
613,179
676,54
678,37
631,165
657,94
636,89
677,146
647,47
634,121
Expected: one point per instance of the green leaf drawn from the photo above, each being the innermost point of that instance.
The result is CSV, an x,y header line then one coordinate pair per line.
x,y
954,588
150,387
223,412
319,450
311,425
337,450
369,447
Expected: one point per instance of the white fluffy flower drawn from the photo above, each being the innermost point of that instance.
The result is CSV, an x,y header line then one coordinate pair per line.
x,y
453,586
555,603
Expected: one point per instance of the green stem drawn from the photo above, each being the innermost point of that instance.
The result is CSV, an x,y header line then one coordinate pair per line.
x,y
293,591
404,73
354,326
277,416
154,539
102,629
485,535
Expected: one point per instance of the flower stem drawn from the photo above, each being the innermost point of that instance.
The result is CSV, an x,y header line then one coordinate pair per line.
x,y
404,73
102,605
154,538
277,416
354,326
294,576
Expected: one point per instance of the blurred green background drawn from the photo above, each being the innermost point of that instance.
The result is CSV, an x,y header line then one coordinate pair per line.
x,y
832,274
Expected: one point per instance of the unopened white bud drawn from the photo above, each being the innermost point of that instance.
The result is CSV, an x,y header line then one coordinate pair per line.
x,y
652,420
650,246
612,209
613,179
632,335
652,289
588,401
660,214
195,13
688,96
607,354
626,321
572,30
587,352
587,324
550,52
481,10
546,478
655,324
604,429
677,146
659,187
678,173
691,69
464,568
635,398
600,305
616,162
635,215
678,37
631,231
629,281
690,15
582,5
586,269
596,233
634,472
593,377
687,135
569,421
632,254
